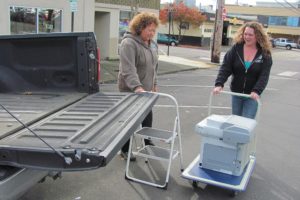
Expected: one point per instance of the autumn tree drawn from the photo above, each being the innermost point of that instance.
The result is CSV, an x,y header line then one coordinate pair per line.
x,y
181,15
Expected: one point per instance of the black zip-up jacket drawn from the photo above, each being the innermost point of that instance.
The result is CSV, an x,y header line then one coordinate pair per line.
x,y
254,79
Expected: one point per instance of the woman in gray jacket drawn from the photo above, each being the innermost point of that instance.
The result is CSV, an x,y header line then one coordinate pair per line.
x,y
138,62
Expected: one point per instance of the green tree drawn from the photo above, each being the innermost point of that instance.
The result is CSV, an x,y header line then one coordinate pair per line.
x,y
181,15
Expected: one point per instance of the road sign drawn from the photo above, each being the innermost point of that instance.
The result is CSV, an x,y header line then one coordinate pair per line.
x,y
74,5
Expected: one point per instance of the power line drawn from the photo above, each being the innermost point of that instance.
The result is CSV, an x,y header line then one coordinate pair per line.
x,y
290,8
291,5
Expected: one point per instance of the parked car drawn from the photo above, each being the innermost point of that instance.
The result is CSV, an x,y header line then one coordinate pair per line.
x,y
165,39
284,42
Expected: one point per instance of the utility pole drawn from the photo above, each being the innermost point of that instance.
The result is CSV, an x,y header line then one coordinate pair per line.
x,y
217,35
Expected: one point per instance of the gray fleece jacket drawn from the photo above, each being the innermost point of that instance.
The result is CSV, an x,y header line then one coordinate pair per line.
x,y
138,64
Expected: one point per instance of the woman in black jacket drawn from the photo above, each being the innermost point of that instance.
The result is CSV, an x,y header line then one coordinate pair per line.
x,y
249,62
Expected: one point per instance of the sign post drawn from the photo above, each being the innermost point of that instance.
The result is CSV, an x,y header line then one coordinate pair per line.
x,y
74,8
171,10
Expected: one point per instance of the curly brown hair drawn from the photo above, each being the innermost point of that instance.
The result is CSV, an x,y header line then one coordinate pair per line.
x,y
141,21
261,36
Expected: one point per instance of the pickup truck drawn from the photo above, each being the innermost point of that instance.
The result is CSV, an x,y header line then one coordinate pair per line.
x,y
53,117
284,42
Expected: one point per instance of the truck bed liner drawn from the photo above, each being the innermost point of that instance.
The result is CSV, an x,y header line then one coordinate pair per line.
x,y
31,107
90,132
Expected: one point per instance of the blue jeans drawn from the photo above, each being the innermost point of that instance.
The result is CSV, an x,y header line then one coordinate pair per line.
x,y
245,107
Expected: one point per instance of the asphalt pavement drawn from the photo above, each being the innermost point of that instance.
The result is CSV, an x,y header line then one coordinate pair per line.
x,y
275,175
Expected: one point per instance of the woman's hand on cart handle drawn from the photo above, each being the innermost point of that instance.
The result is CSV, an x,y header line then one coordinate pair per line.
x,y
155,88
139,89
254,96
217,90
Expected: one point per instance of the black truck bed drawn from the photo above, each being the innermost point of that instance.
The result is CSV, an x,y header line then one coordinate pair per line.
x,y
89,132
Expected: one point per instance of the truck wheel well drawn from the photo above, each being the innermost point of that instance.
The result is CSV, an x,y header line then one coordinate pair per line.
x,y
288,47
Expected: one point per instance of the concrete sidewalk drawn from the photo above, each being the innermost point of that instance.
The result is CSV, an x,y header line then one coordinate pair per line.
x,y
166,65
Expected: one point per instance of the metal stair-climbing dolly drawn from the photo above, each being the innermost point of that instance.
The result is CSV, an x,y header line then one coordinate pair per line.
x,y
166,153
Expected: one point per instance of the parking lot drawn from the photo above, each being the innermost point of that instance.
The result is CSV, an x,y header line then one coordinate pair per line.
x,y
276,171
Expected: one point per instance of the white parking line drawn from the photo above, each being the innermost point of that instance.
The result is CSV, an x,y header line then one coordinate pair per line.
x,y
192,86
288,73
171,106
164,53
204,86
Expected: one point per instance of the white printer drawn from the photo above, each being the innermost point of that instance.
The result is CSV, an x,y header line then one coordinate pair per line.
x,y
227,143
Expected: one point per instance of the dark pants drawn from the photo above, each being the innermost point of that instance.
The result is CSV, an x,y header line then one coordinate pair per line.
x,y
146,123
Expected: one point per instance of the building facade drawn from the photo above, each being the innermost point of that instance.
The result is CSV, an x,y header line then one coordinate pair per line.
x,y
278,22
108,19
112,18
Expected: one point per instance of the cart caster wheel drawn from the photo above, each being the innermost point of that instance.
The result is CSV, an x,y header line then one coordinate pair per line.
x,y
195,184
233,193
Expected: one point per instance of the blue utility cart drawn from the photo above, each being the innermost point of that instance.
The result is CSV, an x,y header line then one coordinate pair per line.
x,y
234,183
227,153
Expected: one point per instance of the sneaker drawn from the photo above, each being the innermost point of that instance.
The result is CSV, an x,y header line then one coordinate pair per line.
x,y
124,155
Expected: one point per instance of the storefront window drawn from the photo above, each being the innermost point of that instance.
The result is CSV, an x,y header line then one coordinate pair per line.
x,y
49,20
34,20
293,21
123,23
279,21
22,20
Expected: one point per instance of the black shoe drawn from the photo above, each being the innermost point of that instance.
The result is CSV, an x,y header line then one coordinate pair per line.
x,y
124,155
149,142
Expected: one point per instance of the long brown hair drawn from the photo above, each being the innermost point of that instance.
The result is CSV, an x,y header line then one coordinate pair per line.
x,y
261,36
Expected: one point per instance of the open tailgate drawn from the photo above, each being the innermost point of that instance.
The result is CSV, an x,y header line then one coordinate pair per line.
x,y
89,133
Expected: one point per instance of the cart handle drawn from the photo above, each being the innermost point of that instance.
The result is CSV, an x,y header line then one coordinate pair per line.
x,y
234,94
